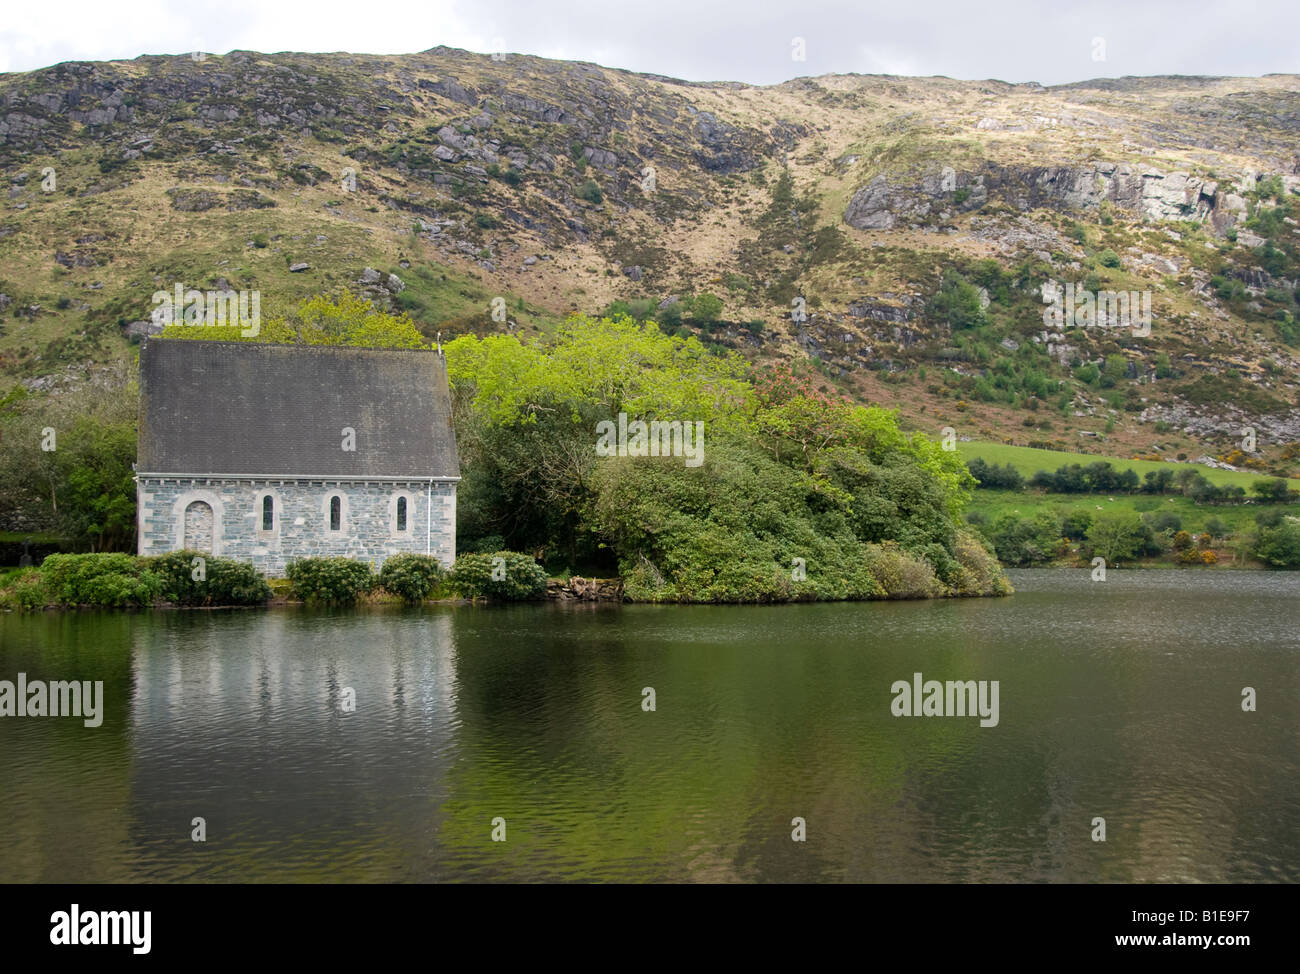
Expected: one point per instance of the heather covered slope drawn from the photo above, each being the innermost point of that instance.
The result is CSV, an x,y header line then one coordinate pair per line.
x,y
895,232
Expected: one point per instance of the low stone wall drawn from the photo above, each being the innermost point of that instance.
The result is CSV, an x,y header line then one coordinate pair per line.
x,y
578,589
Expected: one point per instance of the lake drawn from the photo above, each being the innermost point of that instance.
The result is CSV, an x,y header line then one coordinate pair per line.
x,y
1119,700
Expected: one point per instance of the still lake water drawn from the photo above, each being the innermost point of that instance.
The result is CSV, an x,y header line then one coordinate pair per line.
x,y
1119,700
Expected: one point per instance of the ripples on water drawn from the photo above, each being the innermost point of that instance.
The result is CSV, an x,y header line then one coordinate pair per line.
x,y
1118,699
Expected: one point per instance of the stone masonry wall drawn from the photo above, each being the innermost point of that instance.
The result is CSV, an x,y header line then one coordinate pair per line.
x,y
301,519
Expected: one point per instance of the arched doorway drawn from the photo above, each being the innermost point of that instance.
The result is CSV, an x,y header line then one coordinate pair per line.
x,y
199,524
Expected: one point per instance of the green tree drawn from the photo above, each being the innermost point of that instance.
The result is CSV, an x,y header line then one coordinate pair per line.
x,y
785,472
68,458
706,308
957,303
1279,546
1115,535
1271,490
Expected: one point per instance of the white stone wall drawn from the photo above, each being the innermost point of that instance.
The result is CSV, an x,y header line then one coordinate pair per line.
x,y
300,525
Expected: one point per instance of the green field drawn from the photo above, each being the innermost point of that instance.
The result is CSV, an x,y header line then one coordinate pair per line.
x,y
1240,518
1029,461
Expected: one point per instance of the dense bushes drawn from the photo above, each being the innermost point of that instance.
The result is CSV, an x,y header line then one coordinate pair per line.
x,y
1274,490
1023,541
1102,478
793,497
689,541
411,577
1279,544
501,575
24,589
995,476
74,480
108,580
330,581
978,571
117,580
1046,537
1096,478
957,303
212,581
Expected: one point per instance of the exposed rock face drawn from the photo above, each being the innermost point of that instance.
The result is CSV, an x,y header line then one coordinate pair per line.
x,y
450,88
141,329
724,148
880,310
601,158
1226,419
889,200
877,205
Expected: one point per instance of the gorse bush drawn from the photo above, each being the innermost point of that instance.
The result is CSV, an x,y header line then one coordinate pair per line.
x,y
224,581
330,581
107,580
506,575
411,577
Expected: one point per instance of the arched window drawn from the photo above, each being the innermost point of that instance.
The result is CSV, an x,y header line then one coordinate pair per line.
x,y
336,513
401,513
268,513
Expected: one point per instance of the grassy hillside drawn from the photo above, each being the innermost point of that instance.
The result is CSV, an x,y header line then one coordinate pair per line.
x,y
894,234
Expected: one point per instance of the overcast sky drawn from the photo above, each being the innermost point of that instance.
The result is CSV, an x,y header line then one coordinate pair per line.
x,y
757,41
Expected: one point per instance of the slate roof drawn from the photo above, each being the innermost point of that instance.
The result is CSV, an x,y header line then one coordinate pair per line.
x,y
239,408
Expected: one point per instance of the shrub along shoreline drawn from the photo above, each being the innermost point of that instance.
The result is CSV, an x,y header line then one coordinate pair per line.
x,y
192,579
800,495
195,579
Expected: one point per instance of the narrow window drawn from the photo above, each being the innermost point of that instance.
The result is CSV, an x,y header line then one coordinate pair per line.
x,y
268,513
336,513
401,513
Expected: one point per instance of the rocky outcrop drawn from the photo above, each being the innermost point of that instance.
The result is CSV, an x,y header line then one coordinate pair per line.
x,y
724,148
887,308
450,88
889,200
1226,420
578,589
